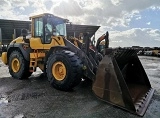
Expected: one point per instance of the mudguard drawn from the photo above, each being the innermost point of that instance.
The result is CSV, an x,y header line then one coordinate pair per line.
x,y
23,47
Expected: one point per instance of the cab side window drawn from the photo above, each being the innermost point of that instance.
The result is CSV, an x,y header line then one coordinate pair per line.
x,y
38,27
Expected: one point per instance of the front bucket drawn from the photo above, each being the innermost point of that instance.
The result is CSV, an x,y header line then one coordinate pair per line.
x,y
121,80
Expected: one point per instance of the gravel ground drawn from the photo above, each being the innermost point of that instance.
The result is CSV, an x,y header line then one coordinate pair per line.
x,y
35,98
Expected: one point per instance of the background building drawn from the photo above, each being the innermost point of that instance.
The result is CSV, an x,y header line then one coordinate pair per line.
x,y
11,29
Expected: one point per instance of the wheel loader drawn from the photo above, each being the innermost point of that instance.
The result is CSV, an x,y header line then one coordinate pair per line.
x,y
118,78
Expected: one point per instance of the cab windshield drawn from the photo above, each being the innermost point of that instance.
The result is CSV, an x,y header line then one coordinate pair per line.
x,y
56,26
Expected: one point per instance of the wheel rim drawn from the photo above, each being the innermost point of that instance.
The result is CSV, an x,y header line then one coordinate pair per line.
x,y
15,65
59,71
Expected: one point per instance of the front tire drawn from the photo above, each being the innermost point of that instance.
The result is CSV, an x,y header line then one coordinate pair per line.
x,y
64,70
18,66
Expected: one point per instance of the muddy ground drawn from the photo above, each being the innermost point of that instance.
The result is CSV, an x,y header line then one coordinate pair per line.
x,y
35,98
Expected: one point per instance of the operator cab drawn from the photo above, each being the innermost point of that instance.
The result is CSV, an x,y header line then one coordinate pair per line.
x,y
47,25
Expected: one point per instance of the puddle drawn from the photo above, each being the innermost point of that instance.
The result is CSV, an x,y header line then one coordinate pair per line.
x,y
19,116
3,99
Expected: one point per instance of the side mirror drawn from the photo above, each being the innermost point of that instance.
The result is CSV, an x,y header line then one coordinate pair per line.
x,y
24,34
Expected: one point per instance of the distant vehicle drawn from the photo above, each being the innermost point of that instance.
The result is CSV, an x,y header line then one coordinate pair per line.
x,y
158,54
148,53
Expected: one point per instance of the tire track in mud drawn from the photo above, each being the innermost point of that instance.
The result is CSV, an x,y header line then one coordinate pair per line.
x,y
25,91
25,96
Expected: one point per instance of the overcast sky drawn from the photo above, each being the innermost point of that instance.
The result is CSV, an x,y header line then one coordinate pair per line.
x,y
129,22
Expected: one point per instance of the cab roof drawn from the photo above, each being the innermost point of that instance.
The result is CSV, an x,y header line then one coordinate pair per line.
x,y
46,14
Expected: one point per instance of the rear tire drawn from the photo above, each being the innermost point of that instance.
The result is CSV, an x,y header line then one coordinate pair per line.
x,y
20,68
72,68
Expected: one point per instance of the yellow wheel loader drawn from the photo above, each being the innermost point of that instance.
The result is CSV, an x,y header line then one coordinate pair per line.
x,y
118,78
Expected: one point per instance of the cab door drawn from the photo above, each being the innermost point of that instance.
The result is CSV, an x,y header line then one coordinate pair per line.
x,y
37,40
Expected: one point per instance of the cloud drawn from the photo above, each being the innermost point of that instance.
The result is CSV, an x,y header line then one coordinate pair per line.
x,y
8,9
49,4
4,5
20,3
22,8
116,2
138,18
4,2
121,11
148,23
110,13
135,37
70,8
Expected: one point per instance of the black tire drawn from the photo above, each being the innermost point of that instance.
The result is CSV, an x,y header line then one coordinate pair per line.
x,y
23,72
73,67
